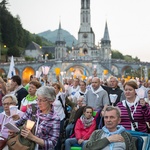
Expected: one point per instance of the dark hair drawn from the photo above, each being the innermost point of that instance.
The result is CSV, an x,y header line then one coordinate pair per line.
x,y
83,82
131,83
36,84
31,77
16,79
87,107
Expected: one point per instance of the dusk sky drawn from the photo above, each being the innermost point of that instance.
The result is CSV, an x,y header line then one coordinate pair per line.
x,y
128,21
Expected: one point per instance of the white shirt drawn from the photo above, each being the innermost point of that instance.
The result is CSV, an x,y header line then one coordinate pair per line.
x,y
58,106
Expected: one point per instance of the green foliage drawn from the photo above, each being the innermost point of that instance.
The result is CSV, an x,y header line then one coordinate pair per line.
x,y
14,51
27,58
117,55
12,33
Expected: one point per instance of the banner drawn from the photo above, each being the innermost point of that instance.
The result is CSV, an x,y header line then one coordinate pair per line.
x,y
12,71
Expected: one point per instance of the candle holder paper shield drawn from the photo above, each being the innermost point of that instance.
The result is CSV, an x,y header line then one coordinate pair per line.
x,y
57,71
140,93
13,110
30,124
113,98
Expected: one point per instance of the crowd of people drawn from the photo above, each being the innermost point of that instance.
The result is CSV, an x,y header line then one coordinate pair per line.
x,y
64,112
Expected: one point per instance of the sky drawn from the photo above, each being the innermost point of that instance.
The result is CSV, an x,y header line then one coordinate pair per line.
x,y
128,21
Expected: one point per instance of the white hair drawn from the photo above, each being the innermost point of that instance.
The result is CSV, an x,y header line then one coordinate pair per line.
x,y
12,96
47,92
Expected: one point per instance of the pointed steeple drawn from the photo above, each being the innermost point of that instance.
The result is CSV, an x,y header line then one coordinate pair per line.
x,y
106,33
59,34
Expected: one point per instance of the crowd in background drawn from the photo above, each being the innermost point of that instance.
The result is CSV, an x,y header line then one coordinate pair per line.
x,y
65,110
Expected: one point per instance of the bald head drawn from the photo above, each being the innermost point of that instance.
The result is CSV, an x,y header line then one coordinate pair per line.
x,y
95,83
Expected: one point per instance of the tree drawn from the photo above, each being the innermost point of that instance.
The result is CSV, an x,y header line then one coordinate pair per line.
x,y
117,55
14,51
3,4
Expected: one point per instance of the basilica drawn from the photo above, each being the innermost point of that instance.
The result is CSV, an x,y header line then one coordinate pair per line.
x,y
85,49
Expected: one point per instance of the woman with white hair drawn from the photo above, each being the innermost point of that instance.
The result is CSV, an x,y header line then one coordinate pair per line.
x,y
47,122
6,116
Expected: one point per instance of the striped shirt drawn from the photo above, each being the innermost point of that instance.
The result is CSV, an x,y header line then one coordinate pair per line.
x,y
48,127
141,116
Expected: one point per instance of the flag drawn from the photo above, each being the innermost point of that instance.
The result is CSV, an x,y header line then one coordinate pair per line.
x,y
12,71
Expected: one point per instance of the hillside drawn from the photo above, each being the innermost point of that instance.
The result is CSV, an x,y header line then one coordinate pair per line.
x,y
52,36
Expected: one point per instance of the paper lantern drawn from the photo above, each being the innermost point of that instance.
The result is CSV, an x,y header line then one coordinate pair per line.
x,y
128,77
30,124
83,77
57,71
71,69
140,92
45,69
38,74
105,72
74,76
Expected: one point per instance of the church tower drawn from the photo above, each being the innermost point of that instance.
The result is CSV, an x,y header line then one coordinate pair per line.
x,y
60,45
106,45
86,35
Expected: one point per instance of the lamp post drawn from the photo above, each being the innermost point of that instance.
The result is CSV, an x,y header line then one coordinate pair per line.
x,y
140,71
110,61
46,55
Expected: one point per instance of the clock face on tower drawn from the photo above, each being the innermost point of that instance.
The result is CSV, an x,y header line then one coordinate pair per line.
x,y
85,35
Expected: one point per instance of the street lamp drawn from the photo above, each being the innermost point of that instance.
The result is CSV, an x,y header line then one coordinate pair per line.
x,y
46,55
140,71
110,60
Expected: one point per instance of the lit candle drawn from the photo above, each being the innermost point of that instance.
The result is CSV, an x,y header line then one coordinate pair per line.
x,y
30,124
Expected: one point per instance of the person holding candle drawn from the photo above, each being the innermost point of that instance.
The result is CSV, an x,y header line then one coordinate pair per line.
x,y
138,109
47,122
6,116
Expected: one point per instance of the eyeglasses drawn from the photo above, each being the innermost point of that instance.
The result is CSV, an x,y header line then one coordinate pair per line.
x,y
4,104
41,100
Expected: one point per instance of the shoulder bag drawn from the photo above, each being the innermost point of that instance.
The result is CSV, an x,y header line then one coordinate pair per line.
x,y
132,121
18,142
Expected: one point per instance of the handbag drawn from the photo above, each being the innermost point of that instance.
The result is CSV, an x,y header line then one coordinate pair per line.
x,y
132,121
18,142
3,140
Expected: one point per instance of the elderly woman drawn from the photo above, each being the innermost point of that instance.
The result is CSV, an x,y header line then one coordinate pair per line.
x,y
6,116
139,110
31,97
47,122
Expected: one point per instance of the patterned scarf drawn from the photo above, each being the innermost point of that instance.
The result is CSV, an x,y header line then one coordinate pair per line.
x,y
86,122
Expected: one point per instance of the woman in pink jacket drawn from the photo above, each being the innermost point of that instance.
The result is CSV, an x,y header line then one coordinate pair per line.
x,y
84,127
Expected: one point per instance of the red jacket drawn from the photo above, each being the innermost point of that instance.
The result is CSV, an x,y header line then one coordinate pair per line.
x,y
84,133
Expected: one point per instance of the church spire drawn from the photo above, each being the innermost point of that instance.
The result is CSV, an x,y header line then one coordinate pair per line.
x,y
59,34
106,33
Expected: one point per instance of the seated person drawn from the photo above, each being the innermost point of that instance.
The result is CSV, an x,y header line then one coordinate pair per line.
x,y
75,114
6,116
47,121
84,127
111,136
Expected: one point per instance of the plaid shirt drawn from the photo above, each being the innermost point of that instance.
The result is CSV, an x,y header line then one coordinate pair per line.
x,y
48,127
